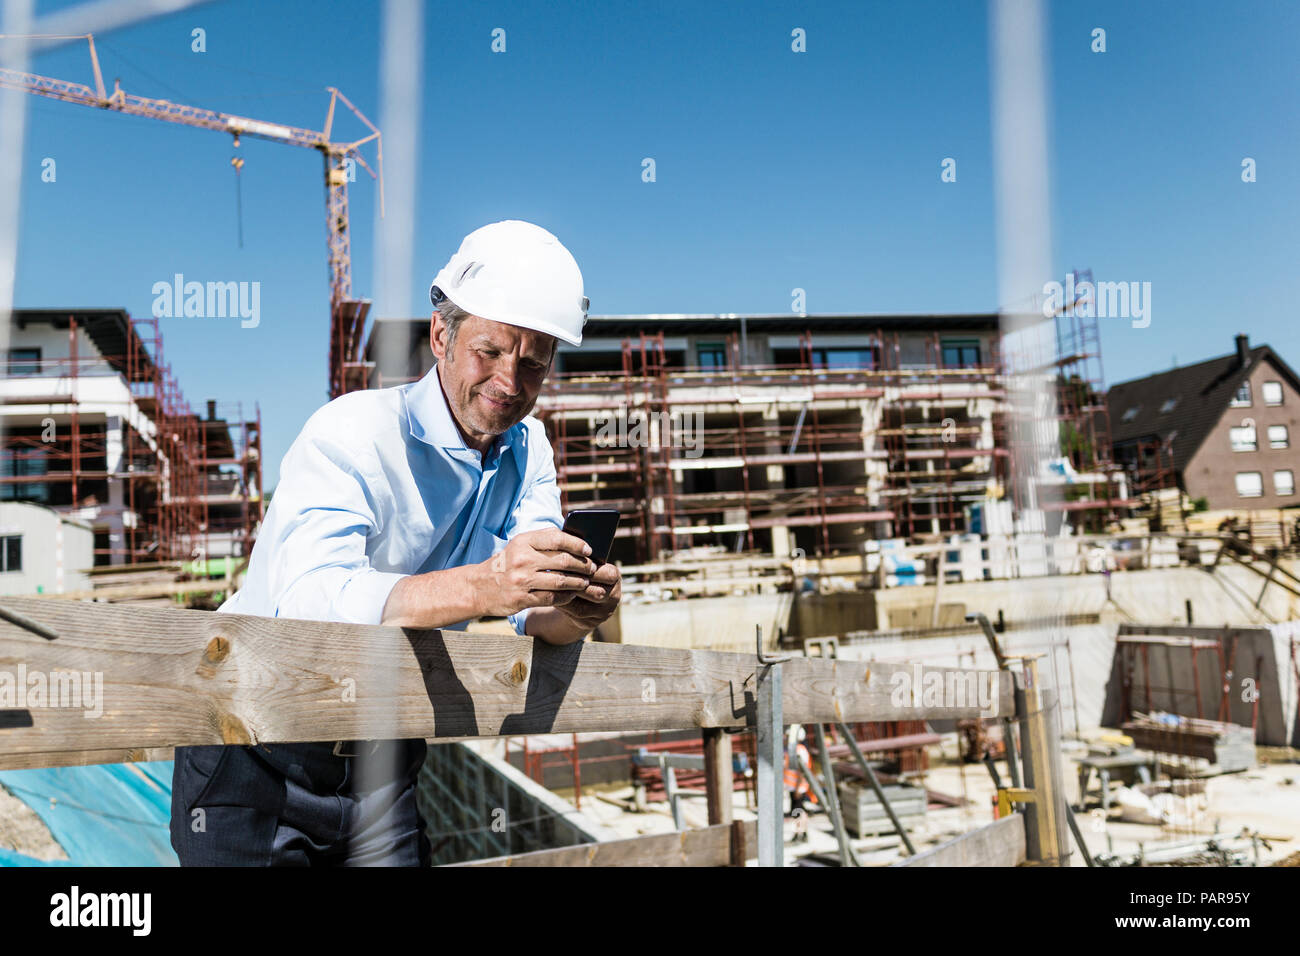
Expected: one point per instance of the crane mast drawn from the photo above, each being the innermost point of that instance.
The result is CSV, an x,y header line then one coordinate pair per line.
x,y
347,314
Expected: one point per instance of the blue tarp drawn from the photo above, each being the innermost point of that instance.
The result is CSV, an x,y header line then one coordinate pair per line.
x,y
104,815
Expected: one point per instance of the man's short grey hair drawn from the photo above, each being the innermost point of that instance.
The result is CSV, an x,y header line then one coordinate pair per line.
x,y
453,315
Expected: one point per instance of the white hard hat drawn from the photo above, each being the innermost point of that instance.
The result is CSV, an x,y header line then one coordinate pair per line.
x,y
517,273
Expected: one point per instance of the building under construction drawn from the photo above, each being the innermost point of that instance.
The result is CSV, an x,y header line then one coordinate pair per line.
x,y
95,427
94,423
773,433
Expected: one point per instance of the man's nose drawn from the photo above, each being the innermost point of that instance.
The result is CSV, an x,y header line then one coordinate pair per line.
x,y
506,376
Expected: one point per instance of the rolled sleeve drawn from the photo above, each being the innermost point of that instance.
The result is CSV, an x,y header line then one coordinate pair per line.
x,y
538,507
518,620
325,514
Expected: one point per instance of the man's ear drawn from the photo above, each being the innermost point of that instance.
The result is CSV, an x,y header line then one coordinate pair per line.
x,y
438,336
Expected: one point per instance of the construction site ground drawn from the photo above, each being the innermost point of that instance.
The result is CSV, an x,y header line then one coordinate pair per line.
x,y
1264,800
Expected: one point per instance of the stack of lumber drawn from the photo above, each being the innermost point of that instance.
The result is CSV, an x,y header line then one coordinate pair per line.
x,y
154,583
1168,505
1267,526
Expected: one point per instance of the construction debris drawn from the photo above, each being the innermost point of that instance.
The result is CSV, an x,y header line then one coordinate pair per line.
x,y
1226,747
865,815
1241,850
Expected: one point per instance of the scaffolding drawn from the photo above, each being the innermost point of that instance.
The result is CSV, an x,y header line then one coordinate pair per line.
x,y
942,458
144,465
894,430
737,454
1063,354
232,470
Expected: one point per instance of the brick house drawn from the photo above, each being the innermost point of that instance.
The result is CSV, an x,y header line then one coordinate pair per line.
x,y
1228,427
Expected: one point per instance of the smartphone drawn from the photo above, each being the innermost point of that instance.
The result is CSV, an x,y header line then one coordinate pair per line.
x,y
596,527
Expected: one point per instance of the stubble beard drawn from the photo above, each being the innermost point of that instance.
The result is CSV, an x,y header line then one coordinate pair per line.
x,y
503,419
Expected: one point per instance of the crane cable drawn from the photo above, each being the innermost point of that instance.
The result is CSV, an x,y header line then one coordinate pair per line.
x,y
238,162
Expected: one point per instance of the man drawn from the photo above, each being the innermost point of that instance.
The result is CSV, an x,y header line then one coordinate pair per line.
x,y
423,506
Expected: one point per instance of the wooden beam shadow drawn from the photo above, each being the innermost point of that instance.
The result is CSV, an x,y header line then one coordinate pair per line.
x,y
549,678
16,717
450,699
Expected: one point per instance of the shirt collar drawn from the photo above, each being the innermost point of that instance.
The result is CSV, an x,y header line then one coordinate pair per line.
x,y
431,422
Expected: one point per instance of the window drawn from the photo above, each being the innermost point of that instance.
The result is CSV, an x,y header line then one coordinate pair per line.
x,y
1132,413
1168,406
961,353
11,554
19,463
1243,438
24,361
1272,392
845,358
1278,437
1284,482
1242,398
1250,484
712,355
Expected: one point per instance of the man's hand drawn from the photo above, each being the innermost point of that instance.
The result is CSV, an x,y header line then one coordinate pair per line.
x,y
592,607
545,568
578,617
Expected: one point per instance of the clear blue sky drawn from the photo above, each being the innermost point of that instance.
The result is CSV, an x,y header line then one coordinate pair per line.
x,y
775,170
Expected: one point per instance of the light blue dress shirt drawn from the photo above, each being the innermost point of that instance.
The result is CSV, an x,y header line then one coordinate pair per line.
x,y
380,485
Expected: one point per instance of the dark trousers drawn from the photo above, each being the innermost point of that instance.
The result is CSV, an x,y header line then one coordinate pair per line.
x,y
298,805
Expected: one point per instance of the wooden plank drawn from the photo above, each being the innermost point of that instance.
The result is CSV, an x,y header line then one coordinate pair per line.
x,y
718,774
742,843
173,677
1040,744
1001,843
708,846
1162,640
134,592
1187,630
82,758
173,567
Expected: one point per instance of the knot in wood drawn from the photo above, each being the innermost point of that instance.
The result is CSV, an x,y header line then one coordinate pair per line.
x,y
218,650
233,730
519,673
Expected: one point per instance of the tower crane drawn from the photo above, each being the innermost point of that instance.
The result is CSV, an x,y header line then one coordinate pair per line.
x,y
347,314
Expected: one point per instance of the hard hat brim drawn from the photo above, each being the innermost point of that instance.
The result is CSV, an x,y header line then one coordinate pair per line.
x,y
522,321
